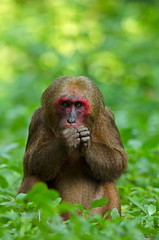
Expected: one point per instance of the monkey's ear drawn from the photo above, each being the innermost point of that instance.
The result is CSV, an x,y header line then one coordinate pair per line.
x,y
106,133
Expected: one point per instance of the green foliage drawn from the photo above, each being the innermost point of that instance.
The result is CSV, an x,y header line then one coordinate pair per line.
x,y
115,43
37,214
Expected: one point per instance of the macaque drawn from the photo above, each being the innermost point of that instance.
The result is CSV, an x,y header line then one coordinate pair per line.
x,y
74,145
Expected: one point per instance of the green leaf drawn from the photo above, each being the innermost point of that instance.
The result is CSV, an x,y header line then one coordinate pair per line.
x,y
58,200
21,197
64,207
79,206
107,213
139,205
12,215
115,213
151,209
40,189
149,222
86,212
98,203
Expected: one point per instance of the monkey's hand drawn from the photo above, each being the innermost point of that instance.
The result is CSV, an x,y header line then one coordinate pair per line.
x,y
70,139
84,135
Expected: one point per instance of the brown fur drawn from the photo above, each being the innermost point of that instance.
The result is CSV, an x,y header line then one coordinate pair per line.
x,y
80,175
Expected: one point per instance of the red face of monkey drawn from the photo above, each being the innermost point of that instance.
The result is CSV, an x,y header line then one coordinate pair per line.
x,y
72,111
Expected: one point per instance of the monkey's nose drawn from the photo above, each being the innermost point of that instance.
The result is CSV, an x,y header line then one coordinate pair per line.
x,y
72,117
71,120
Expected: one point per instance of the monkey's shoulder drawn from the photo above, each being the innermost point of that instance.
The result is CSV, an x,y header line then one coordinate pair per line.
x,y
39,121
108,112
37,116
39,130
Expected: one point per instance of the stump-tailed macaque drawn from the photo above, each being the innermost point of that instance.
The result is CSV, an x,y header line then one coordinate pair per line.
x,y
74,145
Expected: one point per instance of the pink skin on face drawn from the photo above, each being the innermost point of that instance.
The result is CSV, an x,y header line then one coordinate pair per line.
x,y
72,111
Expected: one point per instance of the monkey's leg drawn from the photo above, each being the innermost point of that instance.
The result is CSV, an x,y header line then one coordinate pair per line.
x,y
28,183
110,192
113,196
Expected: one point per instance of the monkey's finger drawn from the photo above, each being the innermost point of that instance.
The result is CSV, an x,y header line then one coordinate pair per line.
x,y
77,142
69,131
66,130
76,135
84,134
85,139
82,129
78,128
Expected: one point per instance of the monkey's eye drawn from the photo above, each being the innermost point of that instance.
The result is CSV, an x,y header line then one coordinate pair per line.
x,y
65,104
79,104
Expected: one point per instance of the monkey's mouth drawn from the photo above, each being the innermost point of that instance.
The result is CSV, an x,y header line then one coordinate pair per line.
x,y
65,123
73,125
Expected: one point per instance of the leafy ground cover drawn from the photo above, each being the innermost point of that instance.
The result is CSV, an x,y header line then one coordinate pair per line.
x,y
115,44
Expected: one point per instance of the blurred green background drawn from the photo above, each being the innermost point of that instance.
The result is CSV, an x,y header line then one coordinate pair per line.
x,y
115,43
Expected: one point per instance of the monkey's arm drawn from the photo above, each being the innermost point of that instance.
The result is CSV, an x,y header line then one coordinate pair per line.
x,y
105,153
45,153
105,164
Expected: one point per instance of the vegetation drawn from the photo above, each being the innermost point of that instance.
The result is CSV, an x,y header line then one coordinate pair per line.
x,y
115,43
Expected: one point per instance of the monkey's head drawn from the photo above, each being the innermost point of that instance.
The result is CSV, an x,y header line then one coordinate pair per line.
x,y
71,102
